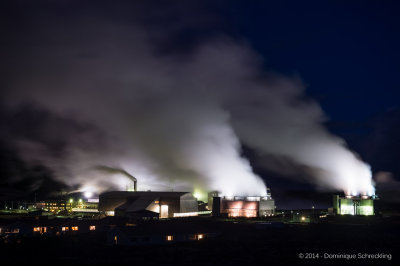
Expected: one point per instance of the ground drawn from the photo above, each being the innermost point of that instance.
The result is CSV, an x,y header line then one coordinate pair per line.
x,y
240,243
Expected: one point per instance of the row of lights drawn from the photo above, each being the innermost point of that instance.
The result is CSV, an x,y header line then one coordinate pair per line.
x,y
197,237
72,200
64,228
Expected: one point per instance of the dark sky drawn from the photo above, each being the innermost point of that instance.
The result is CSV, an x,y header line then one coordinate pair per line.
x,y
353,45
345,52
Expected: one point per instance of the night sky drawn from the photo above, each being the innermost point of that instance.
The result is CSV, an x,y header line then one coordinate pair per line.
x,y
344,53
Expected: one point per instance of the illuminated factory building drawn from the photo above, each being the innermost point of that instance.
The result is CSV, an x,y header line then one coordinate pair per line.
x,y
52,205
72,205
353,205
237,206
151,204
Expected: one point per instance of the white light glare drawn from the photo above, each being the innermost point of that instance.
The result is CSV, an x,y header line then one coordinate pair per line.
x,y
88,194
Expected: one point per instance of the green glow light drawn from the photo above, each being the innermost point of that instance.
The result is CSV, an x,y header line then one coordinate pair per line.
x,y
347,209
366,210
200,194
356,207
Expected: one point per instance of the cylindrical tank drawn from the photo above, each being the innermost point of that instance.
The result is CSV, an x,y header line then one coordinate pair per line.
x,y
216,207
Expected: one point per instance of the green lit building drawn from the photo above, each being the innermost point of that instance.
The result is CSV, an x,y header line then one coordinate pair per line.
x,y
353,205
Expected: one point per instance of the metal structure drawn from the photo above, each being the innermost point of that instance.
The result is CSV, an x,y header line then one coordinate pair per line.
x,y
353,205
240,206
159,204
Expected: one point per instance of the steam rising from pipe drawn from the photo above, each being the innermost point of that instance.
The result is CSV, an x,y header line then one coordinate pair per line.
x,y
176,119
113,170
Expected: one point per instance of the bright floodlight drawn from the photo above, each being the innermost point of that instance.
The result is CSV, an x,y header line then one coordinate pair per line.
x,y
88,194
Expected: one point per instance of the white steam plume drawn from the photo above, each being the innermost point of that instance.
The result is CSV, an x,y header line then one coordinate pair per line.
x,y
177,120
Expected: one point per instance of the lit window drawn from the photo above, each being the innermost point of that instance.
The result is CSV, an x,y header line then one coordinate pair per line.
x,y
170,238
200,236
92,227
64,228
74,228
164,211
36,229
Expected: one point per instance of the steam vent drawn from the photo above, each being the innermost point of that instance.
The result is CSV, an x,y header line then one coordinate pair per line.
x,y
353,205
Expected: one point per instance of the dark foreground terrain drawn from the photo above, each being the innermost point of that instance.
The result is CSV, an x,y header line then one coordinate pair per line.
x,y
239,243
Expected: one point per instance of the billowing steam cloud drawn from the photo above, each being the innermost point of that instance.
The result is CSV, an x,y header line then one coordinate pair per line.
x,y
172,120
112,170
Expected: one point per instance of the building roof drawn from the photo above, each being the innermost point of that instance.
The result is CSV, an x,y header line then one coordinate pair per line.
x,y
142,193
137,204
132,201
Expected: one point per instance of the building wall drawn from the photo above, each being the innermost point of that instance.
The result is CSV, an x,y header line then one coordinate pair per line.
x,y
177,202
354,206
188,203
110,203
366,207
240,208
173,204
266,207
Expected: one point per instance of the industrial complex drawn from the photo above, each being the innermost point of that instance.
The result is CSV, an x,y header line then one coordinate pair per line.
x,y
152,204
353,205
161,215
170,204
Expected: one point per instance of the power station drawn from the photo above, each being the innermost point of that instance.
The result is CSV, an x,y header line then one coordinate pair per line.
x,y
353,205
241,206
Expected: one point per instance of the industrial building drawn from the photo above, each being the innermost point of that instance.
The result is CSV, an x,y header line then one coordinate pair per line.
x,y
148,204
75,203
54,206
240,206
353,205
